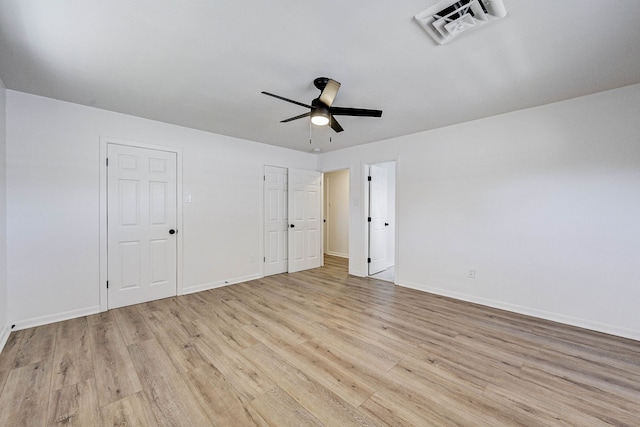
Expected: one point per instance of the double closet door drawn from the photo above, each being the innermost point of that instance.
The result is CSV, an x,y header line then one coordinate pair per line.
x,y
293,220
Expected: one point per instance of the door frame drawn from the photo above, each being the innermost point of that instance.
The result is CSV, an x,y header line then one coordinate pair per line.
x,y
326,191
103,238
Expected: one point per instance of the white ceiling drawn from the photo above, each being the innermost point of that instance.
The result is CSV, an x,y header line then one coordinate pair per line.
x,y
203,63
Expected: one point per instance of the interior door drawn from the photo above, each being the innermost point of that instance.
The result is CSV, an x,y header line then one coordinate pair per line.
x,y
276,220
305,213
141,225
378,189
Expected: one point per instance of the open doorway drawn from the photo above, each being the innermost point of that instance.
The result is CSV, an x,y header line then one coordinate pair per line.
x,y
336,213
381,221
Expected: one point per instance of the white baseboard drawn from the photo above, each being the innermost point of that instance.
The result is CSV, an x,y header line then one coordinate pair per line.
x,y
337,254
4,336
529,311
58,317
219,284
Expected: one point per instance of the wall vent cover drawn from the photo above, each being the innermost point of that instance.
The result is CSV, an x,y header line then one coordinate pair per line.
x,y
449,18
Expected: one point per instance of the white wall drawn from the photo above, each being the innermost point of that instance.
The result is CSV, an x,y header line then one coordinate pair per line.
x,y
337,212
53,195
4,325
543,203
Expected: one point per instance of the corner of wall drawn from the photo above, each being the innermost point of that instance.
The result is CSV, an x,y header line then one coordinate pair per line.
x,y
4,305
4,336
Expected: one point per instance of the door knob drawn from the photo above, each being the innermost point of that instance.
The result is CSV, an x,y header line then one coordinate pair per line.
x,y
386,224
172,231
292,225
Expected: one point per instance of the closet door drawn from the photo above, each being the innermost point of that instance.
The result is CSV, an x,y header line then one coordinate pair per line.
x,y
276,226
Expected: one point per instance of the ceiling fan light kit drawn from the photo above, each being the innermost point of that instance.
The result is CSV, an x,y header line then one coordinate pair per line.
x,y
321,111
447,19
320,117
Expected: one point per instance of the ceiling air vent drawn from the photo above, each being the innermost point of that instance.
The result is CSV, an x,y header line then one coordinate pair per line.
x,y
447,18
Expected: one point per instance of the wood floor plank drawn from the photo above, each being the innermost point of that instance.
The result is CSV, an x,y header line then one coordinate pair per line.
x,y
114,372
242,373
132,325
73,358
8,356
74,405
270,322
280,409
396,408
343,382
37,345
175,339
585,399
222,295
24,400
371,376
450,394
169,397
323,404
358,350
133,410
545,411
221,319
220,400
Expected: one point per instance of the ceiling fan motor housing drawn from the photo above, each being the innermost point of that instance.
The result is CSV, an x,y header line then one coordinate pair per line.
x,y
321,82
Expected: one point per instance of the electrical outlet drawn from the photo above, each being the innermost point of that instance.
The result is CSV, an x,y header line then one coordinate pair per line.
x,y
471,274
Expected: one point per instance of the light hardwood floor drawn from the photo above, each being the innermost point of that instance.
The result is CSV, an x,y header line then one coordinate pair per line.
x,y
316,348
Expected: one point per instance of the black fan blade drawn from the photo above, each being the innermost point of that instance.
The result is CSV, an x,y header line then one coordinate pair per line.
x,y
335,125
296,117
287,99
361,112
329,92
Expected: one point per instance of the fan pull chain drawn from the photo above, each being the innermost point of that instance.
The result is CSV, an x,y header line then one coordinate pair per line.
x,y
309,132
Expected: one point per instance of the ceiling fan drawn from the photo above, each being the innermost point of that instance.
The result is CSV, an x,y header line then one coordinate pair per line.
x,y
322,110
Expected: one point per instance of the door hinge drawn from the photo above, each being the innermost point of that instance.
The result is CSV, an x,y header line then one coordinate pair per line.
x,y
107,284
368,178
369,219
107,162
264,259
368,260
264,177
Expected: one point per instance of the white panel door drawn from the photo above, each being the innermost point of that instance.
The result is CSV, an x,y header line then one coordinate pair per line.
x,y
378,203
305,220
275,220
141,225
